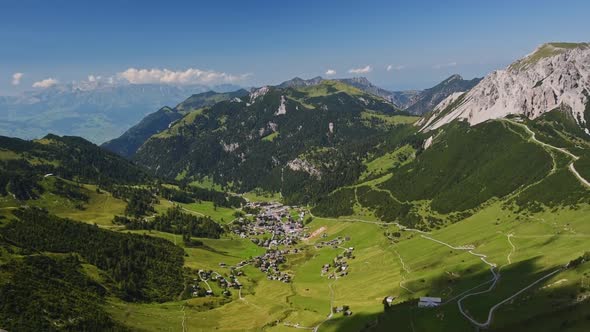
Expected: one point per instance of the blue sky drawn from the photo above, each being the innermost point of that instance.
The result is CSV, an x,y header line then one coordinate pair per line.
x,y
266,42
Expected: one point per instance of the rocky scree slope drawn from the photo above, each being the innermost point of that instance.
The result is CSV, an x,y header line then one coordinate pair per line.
x,y
554,75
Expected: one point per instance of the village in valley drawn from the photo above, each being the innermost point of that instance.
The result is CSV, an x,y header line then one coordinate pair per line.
x,y
282,232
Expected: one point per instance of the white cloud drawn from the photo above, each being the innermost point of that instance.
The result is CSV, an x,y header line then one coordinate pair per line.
x,y
445,65
46,83
16,77
330,72
92,78
363,70
166,76
391,67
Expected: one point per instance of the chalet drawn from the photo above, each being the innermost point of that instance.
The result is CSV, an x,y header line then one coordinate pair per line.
x,y
429,302
389,300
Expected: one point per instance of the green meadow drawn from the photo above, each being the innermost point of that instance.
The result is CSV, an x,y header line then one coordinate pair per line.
x,y
542,243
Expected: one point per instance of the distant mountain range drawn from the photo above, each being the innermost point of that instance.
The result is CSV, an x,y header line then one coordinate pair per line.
x,y
98,112
499,169
415,102
101,112
305,138
127,144
426,100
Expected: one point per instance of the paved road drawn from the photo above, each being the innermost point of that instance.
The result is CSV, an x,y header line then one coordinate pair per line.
x,y
494,281
467,294
496,306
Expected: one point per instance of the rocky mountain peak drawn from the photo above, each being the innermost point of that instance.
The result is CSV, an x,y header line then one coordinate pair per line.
x,y
455,77
361,80
297,82
554,75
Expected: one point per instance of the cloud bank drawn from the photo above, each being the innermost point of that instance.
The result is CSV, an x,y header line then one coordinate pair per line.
x,y
330,72
363,70
166,76
46,83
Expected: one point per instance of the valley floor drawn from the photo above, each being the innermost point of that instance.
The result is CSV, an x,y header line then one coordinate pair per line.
x,y
495,267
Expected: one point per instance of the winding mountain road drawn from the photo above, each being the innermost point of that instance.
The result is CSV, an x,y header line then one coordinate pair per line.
x,y
469,248
571,166
497,305
494,281
509,236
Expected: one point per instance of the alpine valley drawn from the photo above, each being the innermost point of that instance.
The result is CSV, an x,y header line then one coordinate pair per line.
x,y
319,204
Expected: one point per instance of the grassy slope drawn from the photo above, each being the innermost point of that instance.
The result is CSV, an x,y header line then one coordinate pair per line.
x,y
545,51
543,241
219,214
466,167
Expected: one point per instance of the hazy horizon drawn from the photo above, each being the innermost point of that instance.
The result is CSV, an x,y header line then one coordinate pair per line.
x,y
397,46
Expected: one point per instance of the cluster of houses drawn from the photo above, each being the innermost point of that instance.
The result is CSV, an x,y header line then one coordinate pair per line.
x,y
334,243
339,266
269,263
272,219
224,283
275,220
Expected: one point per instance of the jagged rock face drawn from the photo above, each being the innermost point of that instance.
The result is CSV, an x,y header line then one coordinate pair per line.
x,y
298,82
426,100
443,105
298,164
550,77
